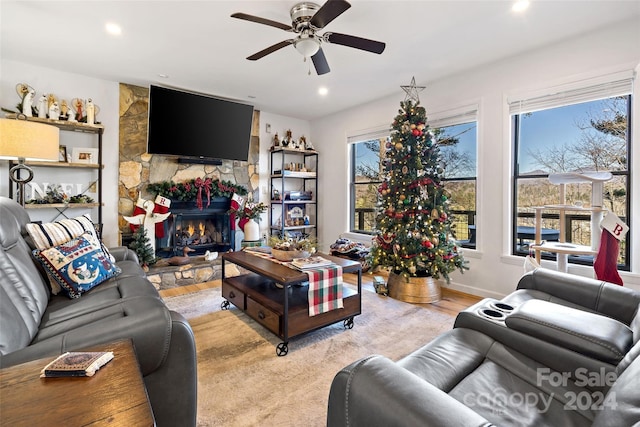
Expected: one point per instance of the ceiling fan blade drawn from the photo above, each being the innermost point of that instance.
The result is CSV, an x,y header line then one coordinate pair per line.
x,y
269,50
320,62
328,12
264,21
355,42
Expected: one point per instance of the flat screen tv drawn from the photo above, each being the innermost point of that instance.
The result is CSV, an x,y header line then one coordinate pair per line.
x,y
197,127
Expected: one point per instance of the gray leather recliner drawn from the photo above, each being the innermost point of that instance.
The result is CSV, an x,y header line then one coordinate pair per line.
x,y
562,350
35,324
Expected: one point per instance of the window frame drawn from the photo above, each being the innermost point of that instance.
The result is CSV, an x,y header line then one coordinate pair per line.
x,y
614,90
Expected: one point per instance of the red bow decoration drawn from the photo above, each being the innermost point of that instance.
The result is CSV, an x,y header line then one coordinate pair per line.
x,y
207,185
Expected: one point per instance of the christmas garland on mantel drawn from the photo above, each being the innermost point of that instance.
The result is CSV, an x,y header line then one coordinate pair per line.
x,y
193,189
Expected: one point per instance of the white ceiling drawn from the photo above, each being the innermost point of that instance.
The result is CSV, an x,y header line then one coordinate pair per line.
x,y
201,48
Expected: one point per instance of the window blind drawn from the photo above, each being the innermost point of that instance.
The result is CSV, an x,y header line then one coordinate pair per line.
x,y
588,90
369,134
455,116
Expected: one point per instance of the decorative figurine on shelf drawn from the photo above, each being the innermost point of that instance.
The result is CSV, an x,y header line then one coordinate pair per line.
x,y
77,105
276,140
54,111
91,112
308,145
287,138
302,143
43,106
27,103
50,100
64,110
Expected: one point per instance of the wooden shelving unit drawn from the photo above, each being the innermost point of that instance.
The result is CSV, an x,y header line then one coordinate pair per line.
x,y
97,130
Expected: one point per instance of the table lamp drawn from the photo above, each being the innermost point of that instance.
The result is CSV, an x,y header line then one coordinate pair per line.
x,y
23,140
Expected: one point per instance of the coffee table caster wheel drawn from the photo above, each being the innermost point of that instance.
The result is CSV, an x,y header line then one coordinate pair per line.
x,y
225,305
282,349
348,323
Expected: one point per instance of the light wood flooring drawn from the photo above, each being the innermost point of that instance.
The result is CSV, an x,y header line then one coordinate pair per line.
x,y
452,301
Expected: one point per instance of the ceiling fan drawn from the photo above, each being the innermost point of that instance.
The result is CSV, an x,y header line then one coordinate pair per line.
x,y
306,20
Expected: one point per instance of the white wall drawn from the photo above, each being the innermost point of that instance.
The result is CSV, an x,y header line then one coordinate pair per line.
x,y
65,85
493,272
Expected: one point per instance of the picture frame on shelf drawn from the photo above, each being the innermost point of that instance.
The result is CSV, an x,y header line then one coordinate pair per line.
x,y
85,155
62,153
295,215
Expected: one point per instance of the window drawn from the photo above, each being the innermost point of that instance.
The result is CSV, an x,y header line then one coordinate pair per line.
x,y
366,172
456,131
458,151
577,130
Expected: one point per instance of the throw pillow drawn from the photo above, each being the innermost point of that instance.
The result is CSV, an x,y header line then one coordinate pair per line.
x,y
77,265
56,233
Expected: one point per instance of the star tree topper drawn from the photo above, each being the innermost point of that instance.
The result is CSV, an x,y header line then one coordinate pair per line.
x,y
412,91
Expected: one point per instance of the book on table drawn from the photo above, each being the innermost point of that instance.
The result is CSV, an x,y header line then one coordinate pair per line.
x,y
311,262
76,364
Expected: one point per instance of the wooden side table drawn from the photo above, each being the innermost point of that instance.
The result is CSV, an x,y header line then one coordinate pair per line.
x,y
115,395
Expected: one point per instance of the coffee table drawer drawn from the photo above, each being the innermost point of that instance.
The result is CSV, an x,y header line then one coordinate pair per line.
x,y
234,296
263,315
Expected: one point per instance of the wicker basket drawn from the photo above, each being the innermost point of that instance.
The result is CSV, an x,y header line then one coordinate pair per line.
x,y
281,255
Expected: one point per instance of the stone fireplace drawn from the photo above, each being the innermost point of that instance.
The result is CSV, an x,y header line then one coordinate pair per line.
x,y
138,169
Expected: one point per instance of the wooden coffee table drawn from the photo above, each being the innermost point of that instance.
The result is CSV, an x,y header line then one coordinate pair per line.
x,y
284,309
115,395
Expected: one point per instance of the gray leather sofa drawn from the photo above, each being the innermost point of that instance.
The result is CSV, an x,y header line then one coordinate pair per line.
x,y
562,350
36,324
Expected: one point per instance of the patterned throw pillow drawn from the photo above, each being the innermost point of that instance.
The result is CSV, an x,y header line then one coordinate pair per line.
x,y
56,233
77,265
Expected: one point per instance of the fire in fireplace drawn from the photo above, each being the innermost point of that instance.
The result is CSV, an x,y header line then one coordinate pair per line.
x,y
206,230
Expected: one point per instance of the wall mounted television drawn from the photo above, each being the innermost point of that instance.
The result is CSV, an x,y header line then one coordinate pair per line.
x,y
197,128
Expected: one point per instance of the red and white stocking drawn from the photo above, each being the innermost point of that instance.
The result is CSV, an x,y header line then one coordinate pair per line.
x,y
606,262
138,210
162,205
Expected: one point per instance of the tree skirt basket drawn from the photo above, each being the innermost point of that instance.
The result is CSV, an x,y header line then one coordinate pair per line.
x,y
419,290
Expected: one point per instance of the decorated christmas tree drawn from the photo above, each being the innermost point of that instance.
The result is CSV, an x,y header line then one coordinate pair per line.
x,y
414,236
142,247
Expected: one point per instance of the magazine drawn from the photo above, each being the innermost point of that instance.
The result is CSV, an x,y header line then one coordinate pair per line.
x,y
76,364
311,262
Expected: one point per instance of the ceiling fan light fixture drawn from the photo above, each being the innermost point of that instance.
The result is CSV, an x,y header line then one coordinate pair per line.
x,y
307,46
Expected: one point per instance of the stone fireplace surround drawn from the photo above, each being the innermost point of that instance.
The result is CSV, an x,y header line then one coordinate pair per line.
x,y
138,168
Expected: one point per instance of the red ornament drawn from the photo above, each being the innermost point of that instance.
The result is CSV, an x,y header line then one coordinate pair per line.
x,y
416,132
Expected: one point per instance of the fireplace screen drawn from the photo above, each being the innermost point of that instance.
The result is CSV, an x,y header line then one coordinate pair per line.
x,y
199,231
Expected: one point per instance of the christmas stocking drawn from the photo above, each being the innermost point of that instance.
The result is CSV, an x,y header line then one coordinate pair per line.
x,y
237,202
162,205
138,210
606,262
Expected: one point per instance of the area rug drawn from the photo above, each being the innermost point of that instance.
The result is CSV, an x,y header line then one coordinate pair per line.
x,y
241,381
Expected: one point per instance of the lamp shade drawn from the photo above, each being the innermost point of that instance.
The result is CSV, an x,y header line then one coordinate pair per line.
x,y
20,139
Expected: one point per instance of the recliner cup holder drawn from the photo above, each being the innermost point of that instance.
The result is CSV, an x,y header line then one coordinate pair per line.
x,y
502,307
492,314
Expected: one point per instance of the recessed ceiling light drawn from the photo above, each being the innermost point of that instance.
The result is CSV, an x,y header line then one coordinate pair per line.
x,y
323,91
520,6
113,28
